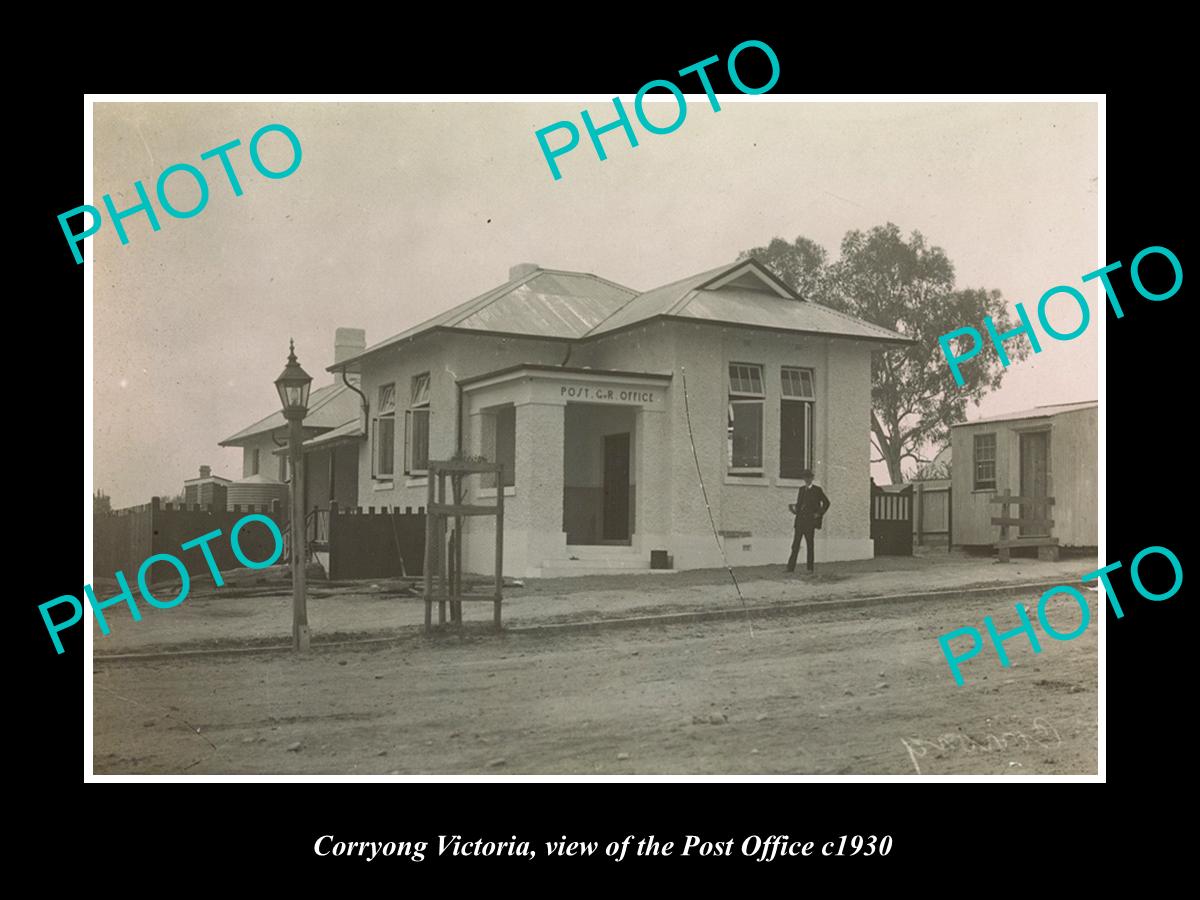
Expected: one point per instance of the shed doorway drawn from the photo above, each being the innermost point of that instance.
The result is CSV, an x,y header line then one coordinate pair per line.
x,y
598,474
1035,478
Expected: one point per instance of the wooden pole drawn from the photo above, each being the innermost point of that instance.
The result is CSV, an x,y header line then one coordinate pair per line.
x,y
443,573
1004,554
499,543
919,513
299,549
949,517
428,567
456,607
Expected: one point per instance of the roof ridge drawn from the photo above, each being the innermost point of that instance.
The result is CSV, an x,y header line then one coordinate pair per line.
x,y
659,287
681,304
483,300
607,281
455,314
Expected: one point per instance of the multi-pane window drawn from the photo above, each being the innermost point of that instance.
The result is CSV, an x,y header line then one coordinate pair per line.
x,y
985,462
383,434
416,445
745,430
797,398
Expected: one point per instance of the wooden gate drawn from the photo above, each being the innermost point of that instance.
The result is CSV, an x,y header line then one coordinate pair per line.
x,y
892,520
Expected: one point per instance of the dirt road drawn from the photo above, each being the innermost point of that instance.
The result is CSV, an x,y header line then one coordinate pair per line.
x,y
852,691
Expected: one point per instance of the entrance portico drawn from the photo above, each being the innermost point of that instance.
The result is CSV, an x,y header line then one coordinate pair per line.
x,y
589,451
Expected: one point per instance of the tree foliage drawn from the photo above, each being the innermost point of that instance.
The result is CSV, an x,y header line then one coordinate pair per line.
x,y
908,287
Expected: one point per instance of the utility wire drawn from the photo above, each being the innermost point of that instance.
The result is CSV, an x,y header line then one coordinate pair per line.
x,y
687,410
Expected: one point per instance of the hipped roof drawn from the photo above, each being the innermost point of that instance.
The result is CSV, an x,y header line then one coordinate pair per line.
x,y
579,306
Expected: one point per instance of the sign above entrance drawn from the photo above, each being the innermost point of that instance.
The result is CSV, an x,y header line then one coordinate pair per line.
x,y
558,386
603,393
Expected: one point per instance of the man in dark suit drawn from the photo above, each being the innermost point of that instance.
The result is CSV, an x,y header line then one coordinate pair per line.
x,y
809,508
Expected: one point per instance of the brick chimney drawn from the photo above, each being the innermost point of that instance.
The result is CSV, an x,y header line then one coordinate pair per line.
x,y
206,471
520,270
348,342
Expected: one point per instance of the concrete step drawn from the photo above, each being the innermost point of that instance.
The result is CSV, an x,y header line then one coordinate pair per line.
x,y
603,551
600,564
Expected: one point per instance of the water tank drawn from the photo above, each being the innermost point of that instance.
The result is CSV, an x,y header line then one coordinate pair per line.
x,y
257,491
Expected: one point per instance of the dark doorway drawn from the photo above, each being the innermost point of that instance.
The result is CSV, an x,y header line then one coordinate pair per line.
x,y
1035,478
616,487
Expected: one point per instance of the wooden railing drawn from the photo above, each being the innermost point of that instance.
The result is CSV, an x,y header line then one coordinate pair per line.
x,y
312,531
1047,544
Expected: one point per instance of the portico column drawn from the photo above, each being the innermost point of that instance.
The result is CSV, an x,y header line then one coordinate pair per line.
x,y
540,431
653,459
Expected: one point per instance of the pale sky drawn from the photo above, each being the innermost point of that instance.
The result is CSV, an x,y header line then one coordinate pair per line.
x,y
401,210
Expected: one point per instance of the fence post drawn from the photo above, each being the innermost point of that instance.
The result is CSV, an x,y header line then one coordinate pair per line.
x,y
949,517
331,537
155,522
1003,551
920,511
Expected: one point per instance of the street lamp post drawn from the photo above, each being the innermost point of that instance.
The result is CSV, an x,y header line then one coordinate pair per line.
x,y
293,386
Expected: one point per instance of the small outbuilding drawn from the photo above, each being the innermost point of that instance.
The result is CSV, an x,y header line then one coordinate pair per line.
x,y
1048,451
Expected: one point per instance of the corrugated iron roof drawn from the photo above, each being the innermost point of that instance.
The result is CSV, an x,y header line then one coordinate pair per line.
x,y
1038,412
760,310
657,302
545,303
688,298
328,407
346,433
572,306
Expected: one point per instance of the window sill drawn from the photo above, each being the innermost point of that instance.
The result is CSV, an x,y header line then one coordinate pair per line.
x,y
985,491
509,491
413,481
791,482
751,479
383,485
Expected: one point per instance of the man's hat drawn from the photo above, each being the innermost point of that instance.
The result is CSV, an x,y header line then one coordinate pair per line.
x,y
806,473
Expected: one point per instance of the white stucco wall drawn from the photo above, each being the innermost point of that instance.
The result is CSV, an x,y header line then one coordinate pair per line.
x,y
670,512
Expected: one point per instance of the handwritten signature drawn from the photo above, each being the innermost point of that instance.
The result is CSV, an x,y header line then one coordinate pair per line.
x,y
918,748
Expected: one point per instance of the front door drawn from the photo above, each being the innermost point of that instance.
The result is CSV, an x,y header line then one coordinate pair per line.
x,y
616,487
1035,479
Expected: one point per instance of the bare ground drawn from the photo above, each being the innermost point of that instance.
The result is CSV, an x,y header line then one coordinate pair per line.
x,y
851,691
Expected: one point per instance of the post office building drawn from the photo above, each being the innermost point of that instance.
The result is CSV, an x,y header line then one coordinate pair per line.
x,y
676,419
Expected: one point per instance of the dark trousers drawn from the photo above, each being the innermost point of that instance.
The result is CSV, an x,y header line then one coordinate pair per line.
x,y
804,532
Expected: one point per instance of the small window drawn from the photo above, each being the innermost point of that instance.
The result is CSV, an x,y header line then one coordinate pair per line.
x,y
744,429
254,461
985,462
745,379
797,384
796,421
416,428
283,467
383,435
